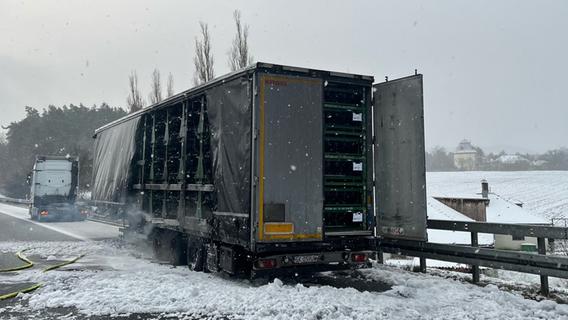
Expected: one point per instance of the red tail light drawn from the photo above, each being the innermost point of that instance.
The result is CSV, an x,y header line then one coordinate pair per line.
x,y
359,257
266,263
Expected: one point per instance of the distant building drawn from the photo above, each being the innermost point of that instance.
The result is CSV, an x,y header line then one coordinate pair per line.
x,y
539,163
465,156
512,159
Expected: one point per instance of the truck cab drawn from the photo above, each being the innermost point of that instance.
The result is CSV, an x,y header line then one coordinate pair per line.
x,y
54,184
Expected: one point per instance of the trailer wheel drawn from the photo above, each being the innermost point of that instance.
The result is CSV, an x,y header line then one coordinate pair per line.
x,y
177,254
211,261
195,254
158,247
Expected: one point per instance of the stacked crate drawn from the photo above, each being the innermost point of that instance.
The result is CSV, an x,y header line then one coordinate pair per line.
x,y
345,165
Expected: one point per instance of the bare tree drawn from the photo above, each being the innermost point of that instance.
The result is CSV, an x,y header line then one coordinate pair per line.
x,y
156,91
170,86
239,55
203,59
134,100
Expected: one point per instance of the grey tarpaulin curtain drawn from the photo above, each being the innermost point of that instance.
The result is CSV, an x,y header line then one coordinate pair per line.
x,y
229,113
113,153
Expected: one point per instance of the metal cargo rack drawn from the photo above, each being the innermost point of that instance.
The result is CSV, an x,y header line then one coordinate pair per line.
x,y
346,109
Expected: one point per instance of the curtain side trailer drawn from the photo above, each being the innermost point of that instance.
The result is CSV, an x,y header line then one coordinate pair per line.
x,y
270,169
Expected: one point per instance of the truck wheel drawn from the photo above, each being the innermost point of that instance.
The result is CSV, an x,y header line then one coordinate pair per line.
x,y
211,258
158,247
195,254
178,247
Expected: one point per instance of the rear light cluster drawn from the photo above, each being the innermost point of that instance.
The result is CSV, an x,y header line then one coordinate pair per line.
x,y
359,257
266,263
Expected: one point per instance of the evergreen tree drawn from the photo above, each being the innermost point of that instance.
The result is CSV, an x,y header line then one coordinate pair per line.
x,y
66,130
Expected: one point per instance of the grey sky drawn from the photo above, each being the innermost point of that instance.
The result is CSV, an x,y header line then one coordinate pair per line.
x,y
494,71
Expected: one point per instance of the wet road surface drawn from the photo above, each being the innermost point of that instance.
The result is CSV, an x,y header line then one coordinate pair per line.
x,y
16,225
14,229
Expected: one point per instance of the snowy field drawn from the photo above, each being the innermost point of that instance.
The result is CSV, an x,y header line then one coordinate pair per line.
x,y
542,192
111,280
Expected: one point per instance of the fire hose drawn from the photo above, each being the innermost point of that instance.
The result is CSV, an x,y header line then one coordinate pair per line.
x,y
30,264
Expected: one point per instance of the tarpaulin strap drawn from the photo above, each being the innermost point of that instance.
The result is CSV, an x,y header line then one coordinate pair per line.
x,y
20,256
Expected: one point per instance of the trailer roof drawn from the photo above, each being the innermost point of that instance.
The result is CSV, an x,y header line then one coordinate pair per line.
x,y
232,75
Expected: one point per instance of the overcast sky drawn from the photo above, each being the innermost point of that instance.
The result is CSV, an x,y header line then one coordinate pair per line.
x,y
495,72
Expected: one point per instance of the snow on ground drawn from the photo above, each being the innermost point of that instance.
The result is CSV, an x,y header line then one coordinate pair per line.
x,y
113,280
543,192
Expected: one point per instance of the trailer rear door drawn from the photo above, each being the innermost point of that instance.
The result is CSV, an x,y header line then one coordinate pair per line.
x,y
290,156
400,173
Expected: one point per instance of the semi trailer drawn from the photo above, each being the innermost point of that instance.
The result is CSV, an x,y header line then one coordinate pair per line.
x,y
54,184
270,169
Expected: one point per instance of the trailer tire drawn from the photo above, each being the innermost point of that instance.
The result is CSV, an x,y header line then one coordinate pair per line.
x,y
211,260
195,254
178,247
157,239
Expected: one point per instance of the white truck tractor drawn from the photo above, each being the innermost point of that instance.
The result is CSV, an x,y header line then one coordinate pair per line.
x,y
54,185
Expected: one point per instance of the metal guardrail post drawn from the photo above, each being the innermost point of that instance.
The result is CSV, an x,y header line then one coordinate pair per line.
x,y
422,265
543,279
380,256
474,267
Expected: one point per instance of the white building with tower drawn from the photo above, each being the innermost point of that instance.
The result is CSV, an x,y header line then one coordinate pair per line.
x,y
465,156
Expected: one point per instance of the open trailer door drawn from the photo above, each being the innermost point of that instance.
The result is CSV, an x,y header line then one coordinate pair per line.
x,y
400,171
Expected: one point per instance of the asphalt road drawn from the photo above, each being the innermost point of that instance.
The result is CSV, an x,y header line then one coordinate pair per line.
x,y
15,225
14,229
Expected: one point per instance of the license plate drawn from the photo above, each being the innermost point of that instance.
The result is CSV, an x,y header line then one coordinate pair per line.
x,y
305,259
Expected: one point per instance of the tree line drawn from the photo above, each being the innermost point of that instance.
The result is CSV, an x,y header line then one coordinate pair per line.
x,y
68,130
65,130
438,159
239,56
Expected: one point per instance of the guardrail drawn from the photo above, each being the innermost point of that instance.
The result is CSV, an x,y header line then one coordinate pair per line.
x,y
14,200
535,263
